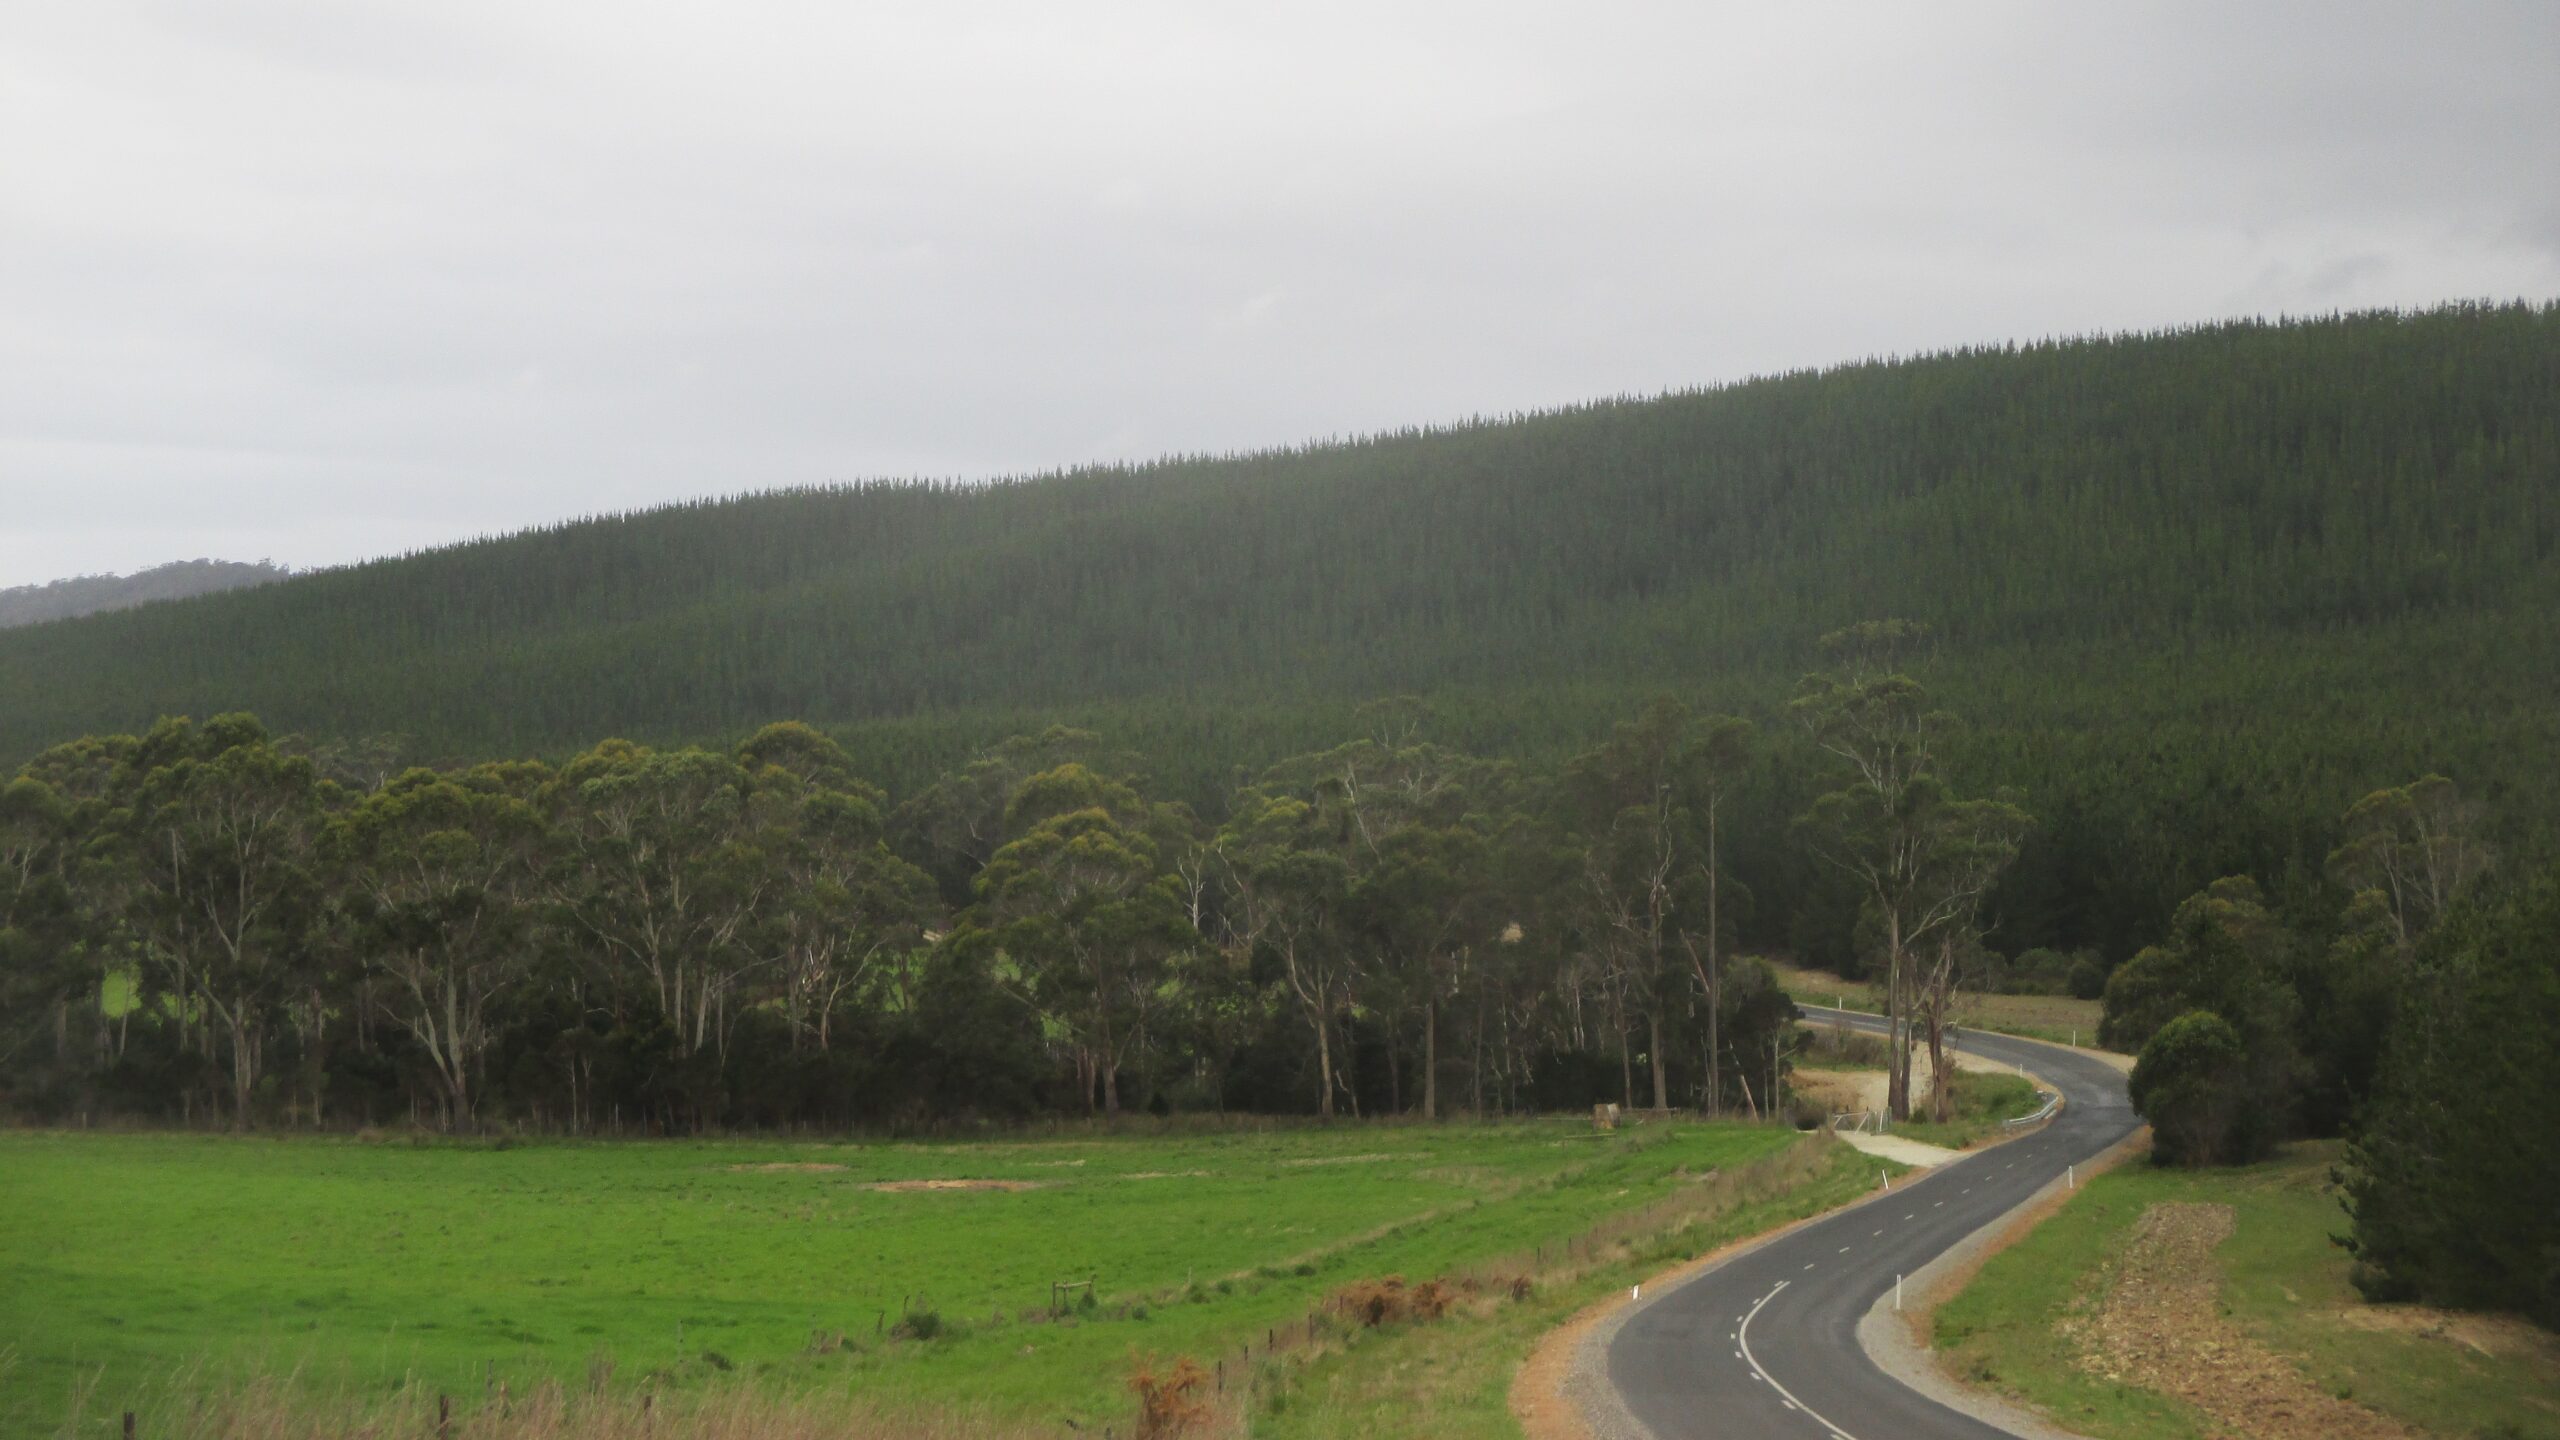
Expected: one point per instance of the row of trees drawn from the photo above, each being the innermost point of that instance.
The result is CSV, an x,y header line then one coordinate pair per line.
x,y
2415,1019
211,921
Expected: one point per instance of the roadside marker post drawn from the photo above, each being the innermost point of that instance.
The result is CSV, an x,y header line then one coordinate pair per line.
x,y
1897,1292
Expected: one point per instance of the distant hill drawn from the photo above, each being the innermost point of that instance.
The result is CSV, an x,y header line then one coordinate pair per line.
x,y
90,594
2196,591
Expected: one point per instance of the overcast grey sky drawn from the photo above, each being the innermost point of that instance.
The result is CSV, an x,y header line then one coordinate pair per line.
x,y
316,280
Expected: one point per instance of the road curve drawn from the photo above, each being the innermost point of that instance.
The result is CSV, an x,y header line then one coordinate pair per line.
x,y
1766,1344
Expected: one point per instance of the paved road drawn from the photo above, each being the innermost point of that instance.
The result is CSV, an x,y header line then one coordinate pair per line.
x,y
1766,1346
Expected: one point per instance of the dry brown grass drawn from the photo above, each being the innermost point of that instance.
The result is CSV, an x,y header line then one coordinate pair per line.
x,y
2043,1017
198,1406
1391,1301
1173,1400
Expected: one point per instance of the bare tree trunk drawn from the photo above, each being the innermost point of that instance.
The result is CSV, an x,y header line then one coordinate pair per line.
x,y
1715,975
1661,1072
1324,1067
1897,1023
1431,1057
1477,1078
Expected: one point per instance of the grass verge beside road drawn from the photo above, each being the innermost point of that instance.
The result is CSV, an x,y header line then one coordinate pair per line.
x,y
2020,1327
1984,1103
1451,1379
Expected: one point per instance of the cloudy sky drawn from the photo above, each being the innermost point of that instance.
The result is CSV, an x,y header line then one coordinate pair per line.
x,y
313,281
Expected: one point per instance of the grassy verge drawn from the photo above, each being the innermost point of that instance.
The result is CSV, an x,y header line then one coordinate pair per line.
x,y
1450,1379
1983,1102
2284,1283
2058,1018
129,1262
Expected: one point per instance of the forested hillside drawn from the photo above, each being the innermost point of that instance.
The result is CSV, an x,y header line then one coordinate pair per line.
x,y
91,594
2195,593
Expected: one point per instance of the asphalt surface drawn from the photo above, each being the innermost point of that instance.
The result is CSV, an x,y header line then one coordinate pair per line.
x,y
1766,1345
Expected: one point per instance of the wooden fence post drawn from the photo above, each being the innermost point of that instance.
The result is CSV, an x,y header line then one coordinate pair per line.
x,y
444,1416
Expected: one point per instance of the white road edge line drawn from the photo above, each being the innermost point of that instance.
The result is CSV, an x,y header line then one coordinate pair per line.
x,y
1744,1335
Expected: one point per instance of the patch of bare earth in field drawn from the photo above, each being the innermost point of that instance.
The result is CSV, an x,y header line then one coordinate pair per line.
x,y
2161,1326
909,1187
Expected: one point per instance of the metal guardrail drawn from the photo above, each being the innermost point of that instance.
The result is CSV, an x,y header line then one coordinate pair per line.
x,y
2052,1102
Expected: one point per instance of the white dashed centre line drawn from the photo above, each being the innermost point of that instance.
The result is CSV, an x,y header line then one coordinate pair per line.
x,y
1744,1334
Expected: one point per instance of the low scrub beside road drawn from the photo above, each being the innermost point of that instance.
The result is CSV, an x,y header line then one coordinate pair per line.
x,y
2182,1304
910,1275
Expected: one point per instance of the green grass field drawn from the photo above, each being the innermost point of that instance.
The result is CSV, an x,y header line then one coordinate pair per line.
x,y
2283,1282
128,1257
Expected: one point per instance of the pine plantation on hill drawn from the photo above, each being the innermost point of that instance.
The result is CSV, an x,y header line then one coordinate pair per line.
x,y
2195,592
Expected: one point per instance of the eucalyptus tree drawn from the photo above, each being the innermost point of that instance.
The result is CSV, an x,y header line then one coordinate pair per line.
x,y
2417,847
220,839
954,825
1427,898
1365,799
40,977
1649,804
845,907
1083,904
1922,857
441,873
659,864
1288,887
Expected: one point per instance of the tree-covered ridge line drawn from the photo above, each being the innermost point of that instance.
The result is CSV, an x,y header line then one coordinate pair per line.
x,y
2242,479
92,594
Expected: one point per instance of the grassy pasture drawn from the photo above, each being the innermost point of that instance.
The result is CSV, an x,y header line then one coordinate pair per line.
x,y
128,1257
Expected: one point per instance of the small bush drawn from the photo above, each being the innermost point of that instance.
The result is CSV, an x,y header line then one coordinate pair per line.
x,y
920,1324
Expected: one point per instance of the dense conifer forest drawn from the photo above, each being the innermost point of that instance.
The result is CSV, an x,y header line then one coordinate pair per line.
x,y
2194,593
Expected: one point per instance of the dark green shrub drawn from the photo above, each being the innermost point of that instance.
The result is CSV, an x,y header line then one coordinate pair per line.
x,y
2192,1084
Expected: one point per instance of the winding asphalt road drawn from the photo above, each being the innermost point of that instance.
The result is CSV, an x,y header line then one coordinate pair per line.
x,y
1766,1344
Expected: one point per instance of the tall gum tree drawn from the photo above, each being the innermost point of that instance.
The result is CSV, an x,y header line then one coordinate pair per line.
x,y
1083,907
1921,857
222,834
443,872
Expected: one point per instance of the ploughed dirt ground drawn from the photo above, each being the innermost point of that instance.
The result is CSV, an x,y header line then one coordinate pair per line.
x,y
2160,1326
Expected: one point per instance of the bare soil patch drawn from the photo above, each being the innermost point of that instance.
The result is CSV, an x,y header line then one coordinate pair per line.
x,y
1371,1159
2161,1327
904,1187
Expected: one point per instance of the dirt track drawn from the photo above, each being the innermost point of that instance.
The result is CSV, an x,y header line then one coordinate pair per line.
x,y
2160,1326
